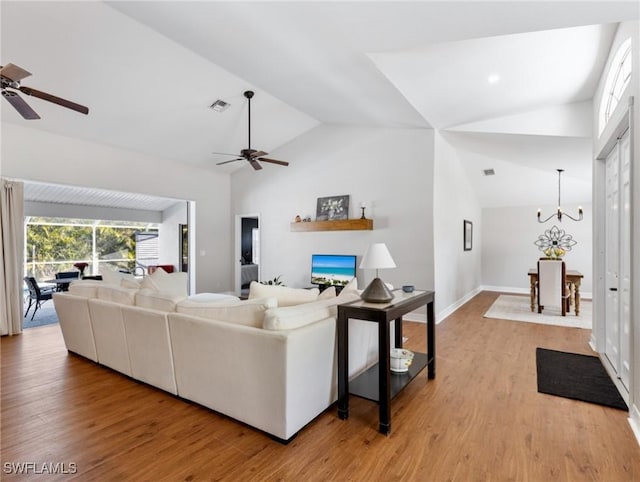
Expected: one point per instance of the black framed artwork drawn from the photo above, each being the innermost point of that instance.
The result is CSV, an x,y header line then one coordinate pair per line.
x,y
468,235
332,207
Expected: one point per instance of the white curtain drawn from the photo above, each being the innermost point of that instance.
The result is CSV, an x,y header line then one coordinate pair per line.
x,y
11,256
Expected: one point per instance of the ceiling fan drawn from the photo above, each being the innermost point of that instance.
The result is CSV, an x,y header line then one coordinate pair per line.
x,y
11,75
248,154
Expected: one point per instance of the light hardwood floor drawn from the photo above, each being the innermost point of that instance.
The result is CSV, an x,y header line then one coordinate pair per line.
x,y
480,419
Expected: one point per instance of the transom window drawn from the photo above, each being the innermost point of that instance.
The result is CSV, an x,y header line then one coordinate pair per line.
x,y
617,80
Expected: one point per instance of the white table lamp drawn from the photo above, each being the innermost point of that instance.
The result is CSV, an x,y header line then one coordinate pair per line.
x,y
377,257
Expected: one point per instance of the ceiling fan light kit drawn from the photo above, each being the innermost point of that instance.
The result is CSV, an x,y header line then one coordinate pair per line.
x,y
10,77
252,156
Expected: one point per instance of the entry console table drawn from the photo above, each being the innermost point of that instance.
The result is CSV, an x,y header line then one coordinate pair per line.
x,y
378,383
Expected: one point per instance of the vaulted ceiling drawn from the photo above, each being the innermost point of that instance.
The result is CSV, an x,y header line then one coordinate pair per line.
x,y
150,70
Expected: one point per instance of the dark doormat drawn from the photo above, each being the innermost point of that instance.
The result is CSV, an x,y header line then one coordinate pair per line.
x,y
580,377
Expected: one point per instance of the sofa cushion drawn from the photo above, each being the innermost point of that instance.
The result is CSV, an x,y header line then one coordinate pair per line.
x,y
157,300
290,317
286,296
117,294
247,312
210,298
85,288
160,280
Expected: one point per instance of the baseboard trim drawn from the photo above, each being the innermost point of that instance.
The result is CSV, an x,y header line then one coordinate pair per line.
x,y
506,289
441,315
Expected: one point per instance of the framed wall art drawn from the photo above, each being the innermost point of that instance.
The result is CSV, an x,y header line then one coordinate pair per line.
x,y
332,207
468,235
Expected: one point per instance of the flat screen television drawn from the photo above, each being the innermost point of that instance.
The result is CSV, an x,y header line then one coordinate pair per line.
x,y
332,269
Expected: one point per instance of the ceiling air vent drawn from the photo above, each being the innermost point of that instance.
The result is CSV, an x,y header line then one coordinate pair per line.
x,y
489,172
220,105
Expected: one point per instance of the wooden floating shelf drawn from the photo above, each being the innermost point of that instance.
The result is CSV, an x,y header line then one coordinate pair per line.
x,y
336,225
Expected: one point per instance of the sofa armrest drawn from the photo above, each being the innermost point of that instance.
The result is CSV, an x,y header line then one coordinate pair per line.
x,y
75,324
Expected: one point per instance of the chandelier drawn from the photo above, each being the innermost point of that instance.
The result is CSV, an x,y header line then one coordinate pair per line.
x,y
559,212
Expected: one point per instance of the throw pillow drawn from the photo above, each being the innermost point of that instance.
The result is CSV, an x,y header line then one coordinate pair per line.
x,y
286,296
130,283
117,294
113,277
85,288
247,312
327,293
160,280
349,289
290,317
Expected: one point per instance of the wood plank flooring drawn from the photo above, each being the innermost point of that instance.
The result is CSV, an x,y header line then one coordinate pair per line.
x,y
481,419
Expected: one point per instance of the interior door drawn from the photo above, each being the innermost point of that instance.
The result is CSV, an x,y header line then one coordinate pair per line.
x,y
625,259
618,258
612,256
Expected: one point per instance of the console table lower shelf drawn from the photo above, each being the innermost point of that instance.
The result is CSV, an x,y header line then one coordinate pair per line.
x,y
365,385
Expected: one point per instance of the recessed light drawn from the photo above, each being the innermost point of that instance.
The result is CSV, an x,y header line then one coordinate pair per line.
x,y
493,79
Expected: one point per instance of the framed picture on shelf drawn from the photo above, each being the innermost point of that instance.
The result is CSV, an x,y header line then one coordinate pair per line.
x,y
332,207
468,235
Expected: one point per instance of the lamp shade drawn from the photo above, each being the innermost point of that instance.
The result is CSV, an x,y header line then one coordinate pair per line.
x,y
377,257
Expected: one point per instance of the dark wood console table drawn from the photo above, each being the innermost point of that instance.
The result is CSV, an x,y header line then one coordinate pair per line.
x,y
378,383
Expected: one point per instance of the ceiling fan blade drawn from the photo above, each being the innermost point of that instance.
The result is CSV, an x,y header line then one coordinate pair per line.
x,y
13,72
274,161
258,153
20,105
225,154
56,100
227,162
255,164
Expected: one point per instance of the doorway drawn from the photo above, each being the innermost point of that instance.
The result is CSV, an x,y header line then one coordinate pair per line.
x,y
247,252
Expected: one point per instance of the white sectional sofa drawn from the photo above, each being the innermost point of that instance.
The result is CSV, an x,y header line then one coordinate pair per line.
x,y
270,366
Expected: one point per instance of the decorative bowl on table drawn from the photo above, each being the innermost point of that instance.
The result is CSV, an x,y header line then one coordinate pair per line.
x,y
400,359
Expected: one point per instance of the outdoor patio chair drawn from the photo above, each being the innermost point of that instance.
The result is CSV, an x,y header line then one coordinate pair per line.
x,y
37,295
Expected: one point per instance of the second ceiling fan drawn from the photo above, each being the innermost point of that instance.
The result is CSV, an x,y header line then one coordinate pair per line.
x,y
251,155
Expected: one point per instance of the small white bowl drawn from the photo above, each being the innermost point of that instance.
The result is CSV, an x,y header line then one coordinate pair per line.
x,y
400,359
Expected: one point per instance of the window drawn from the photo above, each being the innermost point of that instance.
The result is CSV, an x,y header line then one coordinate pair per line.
x,y
617,79
56,244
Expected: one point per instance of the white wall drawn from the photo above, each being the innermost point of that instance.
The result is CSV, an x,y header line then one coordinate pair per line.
x,y
509,252
32,154
169,234
390,169
457,272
